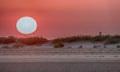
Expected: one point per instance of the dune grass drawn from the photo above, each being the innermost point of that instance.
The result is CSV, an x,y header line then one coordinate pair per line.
x,y
32,40
25,41
107,39
7,40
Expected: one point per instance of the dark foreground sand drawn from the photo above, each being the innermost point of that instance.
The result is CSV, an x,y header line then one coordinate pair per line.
x,y
60,67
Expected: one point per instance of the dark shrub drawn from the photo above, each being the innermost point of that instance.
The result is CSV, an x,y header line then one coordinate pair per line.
x,y
17,45
112,41
96,46
72,39
7,40
32,40
118,46
2,39
99,38
58,45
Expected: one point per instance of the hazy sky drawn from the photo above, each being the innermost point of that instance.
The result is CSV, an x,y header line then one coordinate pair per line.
x,y
59,18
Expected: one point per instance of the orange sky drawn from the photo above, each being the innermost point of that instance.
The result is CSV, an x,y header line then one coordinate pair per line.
x,y
59,18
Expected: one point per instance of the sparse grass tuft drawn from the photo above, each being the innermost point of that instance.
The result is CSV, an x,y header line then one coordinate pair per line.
x,y
101,56
105,46
118,50
94,46
80,46
116,56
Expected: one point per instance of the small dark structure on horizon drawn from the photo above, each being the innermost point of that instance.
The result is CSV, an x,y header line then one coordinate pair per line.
x,y
100,33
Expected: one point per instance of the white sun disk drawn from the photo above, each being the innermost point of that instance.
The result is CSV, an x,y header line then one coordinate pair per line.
x,y
26,25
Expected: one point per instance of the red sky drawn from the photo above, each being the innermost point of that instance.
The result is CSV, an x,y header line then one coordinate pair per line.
x,y
60,18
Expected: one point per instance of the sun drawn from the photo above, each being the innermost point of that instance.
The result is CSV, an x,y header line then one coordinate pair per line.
x,y
26,25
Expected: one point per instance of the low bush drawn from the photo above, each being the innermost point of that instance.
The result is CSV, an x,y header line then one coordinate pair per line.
x,y
118,46
58,45
112,41
99,38
17,45
72,39
32,40
96,46
7,40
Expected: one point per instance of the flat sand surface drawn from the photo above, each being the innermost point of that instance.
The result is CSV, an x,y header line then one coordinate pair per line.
x,y
61,58
60,67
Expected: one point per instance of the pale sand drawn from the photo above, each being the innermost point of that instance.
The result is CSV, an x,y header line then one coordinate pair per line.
x,y
61,58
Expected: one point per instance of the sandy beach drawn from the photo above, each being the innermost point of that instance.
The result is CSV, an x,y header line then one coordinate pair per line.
x,y
81,56
60,67
70,53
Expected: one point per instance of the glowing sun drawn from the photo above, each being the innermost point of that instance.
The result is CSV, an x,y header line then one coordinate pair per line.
x,y
26,25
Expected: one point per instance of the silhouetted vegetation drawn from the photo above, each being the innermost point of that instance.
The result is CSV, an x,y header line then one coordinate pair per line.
x,y
72,39
113,39
25,41
107,39
7,40
32,40
99,38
